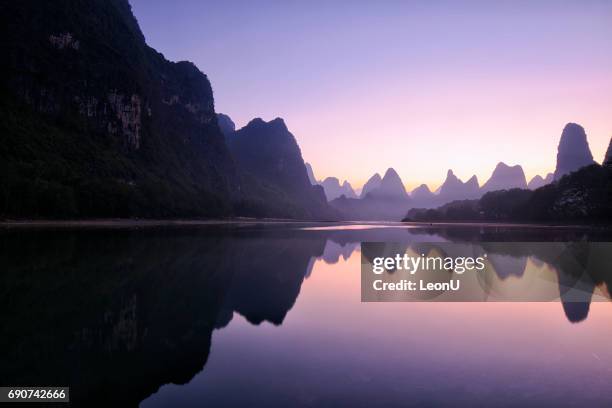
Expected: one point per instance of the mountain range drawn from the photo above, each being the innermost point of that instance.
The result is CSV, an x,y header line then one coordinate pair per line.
x,y
573,154
95,123
381,199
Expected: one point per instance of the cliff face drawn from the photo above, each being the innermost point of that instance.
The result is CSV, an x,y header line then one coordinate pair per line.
x,y
96,123
274,177
573,152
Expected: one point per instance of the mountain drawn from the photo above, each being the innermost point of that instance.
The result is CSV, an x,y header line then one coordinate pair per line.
x,y
371,184
505,177
386,202
274,177
422,193
471,187
454,189
310,173
391,187
573,151
95,123
608,159
583,196
537,181
333,189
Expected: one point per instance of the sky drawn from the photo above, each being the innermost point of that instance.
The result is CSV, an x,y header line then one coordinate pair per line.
x,y
418,86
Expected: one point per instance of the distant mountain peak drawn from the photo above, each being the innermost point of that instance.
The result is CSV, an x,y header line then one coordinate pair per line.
x,y
391,173
391,186
372,183
422,194
573,151
538,181
473,181
422,187
505,177
333,189
454,189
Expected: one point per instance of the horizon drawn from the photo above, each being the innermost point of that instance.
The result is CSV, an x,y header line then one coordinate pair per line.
x,y
408,78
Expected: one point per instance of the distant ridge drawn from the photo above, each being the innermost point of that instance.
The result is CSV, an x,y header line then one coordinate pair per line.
x,y
391,187
333,189
371,184
537,181
505,177
454,189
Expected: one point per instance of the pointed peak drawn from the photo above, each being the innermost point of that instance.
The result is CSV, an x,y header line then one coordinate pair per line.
x,y
501,165
390,171
423,188
450,173
375,177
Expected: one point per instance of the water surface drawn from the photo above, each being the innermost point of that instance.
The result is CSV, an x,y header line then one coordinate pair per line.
x,y
270,315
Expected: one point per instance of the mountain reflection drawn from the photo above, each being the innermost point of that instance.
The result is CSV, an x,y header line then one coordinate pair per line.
x,y
118,313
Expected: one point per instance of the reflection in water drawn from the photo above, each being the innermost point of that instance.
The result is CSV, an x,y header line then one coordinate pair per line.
x,y
116,314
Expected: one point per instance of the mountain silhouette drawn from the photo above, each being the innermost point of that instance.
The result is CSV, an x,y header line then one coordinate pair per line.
x,y
333,189
273,173
422,193
573,152
505,177
454,189
382,200
537,181
391,187
371,184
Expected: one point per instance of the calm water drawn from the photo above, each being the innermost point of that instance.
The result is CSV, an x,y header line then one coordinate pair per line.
x,y
270,315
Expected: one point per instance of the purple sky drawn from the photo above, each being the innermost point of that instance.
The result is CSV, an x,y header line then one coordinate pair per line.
x,y
366,85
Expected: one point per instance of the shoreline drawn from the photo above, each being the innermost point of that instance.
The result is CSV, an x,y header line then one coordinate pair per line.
x,y
145,223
